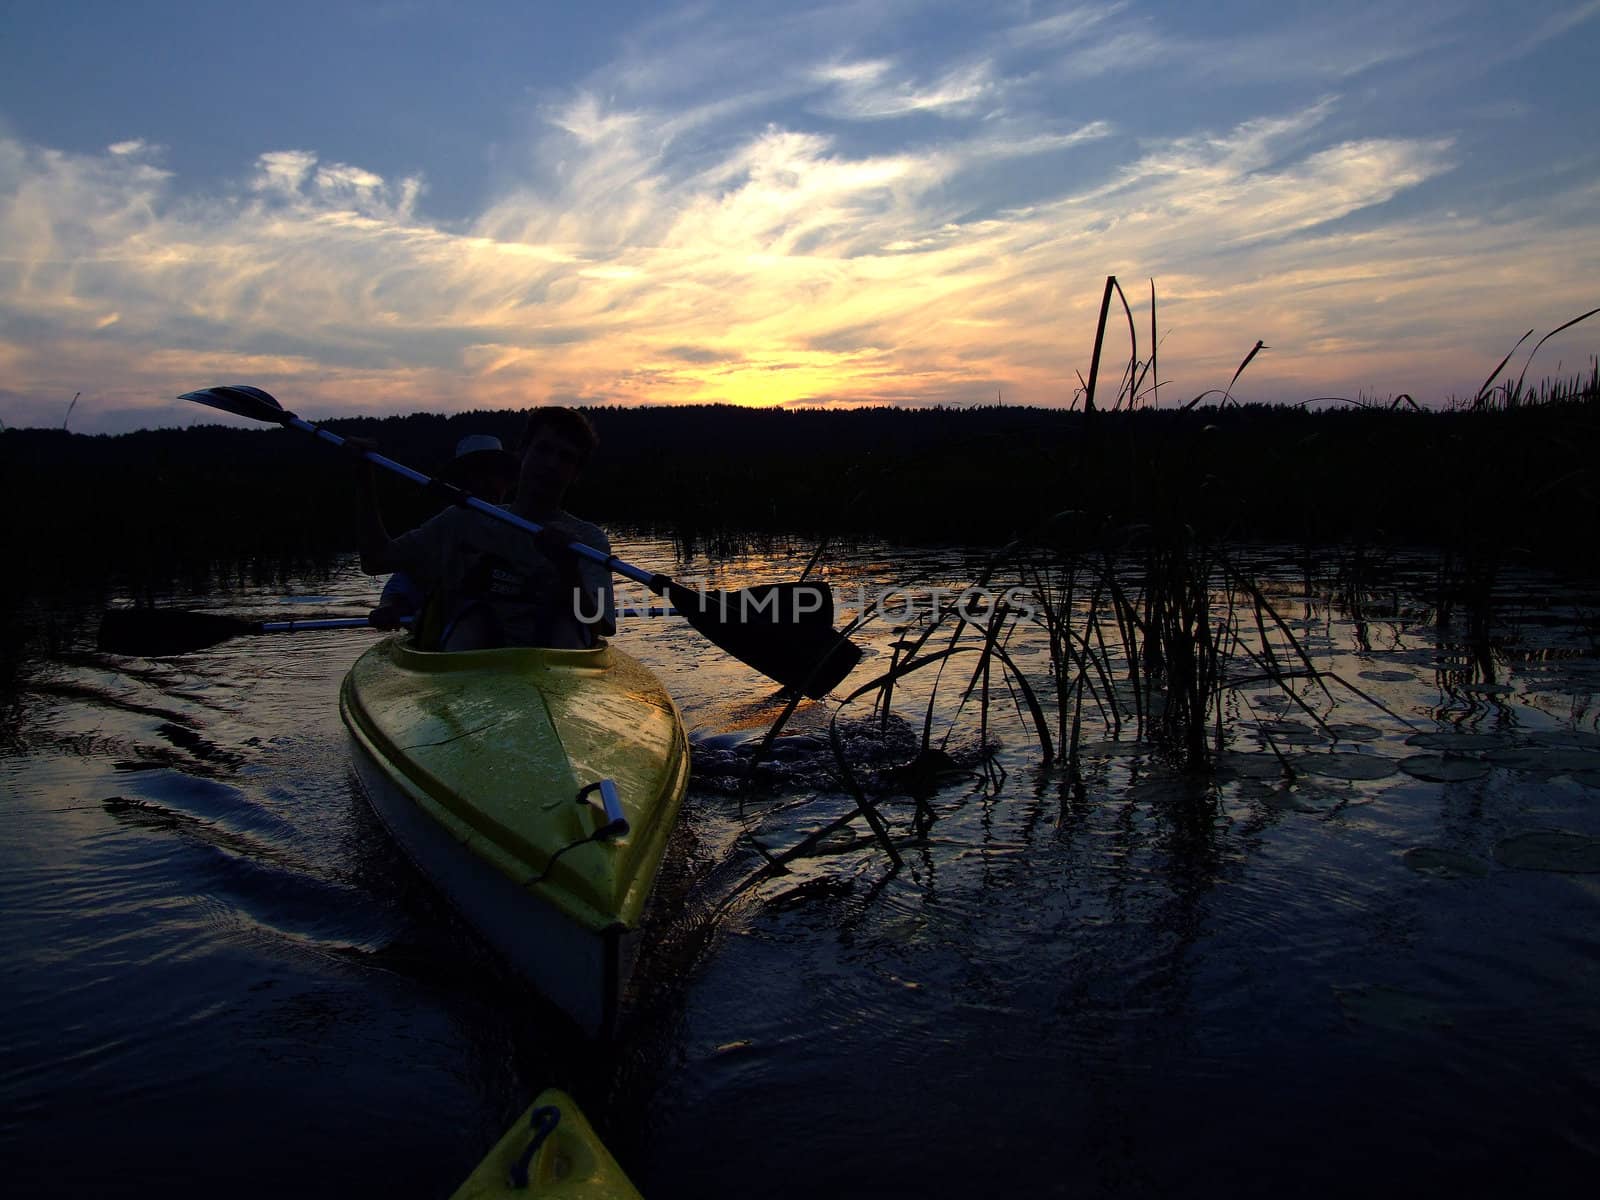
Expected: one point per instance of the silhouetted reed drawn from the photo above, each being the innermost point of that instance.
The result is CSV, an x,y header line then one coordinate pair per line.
x,y
1509,395
1154,628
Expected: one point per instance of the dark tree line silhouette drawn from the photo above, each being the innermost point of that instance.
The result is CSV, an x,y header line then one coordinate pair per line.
x,y
1521,480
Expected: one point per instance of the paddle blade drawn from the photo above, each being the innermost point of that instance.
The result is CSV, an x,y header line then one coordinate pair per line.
x,y
241,400
783,630
158,632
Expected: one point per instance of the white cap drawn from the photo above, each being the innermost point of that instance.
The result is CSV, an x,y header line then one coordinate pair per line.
x,y
477,443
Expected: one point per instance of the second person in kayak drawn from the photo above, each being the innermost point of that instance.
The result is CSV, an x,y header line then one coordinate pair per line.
x,y
493,584
481,466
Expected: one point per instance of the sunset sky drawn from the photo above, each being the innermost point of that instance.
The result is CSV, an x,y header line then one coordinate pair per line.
x,y
413,204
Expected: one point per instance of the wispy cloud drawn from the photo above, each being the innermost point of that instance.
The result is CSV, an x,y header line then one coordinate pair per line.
x,y
876,90
1555,25
1061,28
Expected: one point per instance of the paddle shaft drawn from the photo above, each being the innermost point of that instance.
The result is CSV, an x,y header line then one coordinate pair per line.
x,y
318,623
657,583
363,622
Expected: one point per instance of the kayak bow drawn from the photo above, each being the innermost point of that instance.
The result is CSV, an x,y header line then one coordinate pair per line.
x,y
537,789
551,1152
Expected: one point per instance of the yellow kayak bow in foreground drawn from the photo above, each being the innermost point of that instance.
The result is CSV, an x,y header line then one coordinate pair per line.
x,y
551,1153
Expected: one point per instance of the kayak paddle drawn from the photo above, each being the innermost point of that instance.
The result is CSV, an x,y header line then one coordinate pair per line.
x,y
162,632
783,630
158,632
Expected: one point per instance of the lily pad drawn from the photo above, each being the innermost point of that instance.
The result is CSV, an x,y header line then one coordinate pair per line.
x,y
1278,728
1444,864
1273,703
1290,733
1344,764
1444,740
1390,1009
1351,732
1551,759
1387,676
1443,768
1550,850
1248,766
1578,739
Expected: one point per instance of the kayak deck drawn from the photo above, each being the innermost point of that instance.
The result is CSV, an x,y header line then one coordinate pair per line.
x,y
482,765
553,1152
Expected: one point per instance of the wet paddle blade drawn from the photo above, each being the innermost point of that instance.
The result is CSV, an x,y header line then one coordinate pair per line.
x,y
241,400
158,632
783,630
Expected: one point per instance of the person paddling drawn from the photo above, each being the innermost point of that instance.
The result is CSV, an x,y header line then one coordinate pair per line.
x,y
481,466
497,585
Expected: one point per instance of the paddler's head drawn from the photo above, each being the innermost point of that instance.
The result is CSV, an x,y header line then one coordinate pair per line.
x,y
483,467
556,443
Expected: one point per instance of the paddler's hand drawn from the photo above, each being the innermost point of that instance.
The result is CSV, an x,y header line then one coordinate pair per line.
x,y
357,447
385,616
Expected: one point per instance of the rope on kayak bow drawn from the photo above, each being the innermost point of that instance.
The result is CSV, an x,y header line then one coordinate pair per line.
x,y
542,1121
616,825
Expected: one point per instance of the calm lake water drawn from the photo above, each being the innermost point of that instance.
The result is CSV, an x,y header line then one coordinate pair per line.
x,y
220,974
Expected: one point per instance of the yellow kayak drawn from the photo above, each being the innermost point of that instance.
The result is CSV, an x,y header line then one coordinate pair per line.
x,y
551,1152
536,788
